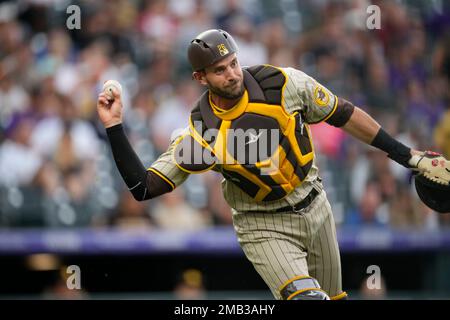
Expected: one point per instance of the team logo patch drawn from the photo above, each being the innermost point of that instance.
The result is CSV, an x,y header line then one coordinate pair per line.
x,y
222,49
321,96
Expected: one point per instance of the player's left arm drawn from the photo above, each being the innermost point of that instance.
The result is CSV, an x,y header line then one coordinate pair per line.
x,y
318,104
363,127
366,129
321,105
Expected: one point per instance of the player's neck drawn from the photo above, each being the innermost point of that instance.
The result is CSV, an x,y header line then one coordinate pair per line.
x,y
223,103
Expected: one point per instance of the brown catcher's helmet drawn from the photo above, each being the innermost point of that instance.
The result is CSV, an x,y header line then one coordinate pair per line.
x,y
434,195
209,47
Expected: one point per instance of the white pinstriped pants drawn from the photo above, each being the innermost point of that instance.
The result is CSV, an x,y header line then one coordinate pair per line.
x,y
282,246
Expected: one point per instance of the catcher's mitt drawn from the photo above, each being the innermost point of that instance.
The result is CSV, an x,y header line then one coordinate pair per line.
x,y
432,181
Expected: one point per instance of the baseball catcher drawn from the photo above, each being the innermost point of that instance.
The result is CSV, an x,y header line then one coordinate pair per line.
x,y
252,126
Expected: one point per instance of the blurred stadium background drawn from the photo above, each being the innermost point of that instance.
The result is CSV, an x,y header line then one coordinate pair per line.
x,y
62,201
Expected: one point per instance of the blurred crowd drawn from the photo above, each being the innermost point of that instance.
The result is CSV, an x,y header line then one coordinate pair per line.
x,y
56,168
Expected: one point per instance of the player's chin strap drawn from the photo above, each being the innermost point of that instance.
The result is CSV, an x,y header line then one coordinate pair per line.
x,y
302,288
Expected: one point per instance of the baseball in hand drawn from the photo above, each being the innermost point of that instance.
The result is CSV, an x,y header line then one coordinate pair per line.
x,y
108,87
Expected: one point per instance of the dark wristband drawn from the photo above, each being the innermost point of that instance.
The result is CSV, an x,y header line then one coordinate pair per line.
x,y
396,150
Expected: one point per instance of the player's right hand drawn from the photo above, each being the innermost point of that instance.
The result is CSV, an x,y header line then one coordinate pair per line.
x,y
110,108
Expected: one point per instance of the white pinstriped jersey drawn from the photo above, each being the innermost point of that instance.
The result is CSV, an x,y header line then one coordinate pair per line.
x,y
303,94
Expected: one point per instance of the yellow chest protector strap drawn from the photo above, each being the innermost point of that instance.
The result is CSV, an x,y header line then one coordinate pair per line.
x,y
232,140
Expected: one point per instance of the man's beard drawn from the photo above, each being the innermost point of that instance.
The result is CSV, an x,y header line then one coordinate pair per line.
x,y
227,94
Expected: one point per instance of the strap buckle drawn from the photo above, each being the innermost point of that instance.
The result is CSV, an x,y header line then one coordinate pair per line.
x,y
305,203
298,211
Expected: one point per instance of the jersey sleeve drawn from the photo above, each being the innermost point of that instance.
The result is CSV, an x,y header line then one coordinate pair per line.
x,y
166,168
306,95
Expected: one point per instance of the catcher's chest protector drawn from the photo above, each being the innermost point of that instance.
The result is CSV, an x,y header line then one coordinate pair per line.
x,y
257,145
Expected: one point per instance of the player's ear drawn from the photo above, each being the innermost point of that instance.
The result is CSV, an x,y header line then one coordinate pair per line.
x,y
200,77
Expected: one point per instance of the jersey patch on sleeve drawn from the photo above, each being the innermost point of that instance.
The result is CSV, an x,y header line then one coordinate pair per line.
x,y
321,96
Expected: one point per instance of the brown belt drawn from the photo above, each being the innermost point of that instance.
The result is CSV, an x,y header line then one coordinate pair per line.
x,y
298,207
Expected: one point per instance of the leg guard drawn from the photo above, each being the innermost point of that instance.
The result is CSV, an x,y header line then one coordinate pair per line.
x,y
342,296
302,288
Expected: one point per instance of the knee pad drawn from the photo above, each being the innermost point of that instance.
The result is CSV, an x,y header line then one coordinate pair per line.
x,y
303,288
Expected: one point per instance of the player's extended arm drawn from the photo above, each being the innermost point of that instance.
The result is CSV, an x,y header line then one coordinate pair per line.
x,y
142,184
363,127
433,165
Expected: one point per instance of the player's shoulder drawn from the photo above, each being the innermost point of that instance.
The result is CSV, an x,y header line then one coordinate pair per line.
x,y
296,74
289,69
296,80
260,67
263,71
